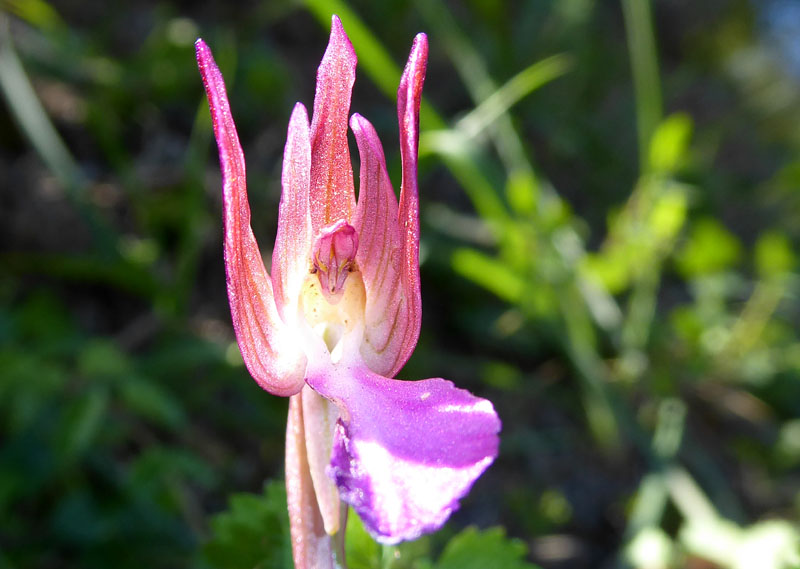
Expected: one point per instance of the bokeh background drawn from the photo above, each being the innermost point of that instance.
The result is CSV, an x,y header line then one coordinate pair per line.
x,y
610,198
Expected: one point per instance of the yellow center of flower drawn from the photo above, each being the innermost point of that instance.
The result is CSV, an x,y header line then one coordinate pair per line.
x,y
333,321
333,295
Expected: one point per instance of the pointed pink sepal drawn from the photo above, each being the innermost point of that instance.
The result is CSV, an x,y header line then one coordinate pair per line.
x,y
332,193
404,452
409,97
388,318
389,234
290,264
272,355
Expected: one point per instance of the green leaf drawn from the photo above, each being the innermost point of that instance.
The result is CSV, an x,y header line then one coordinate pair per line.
x,y
253,533
773,254
711,248
83,420
157,463
42,318
610,269
522,192
489,273
670,143
29,385
38,13
362,551
102,360
152,402
668,215
488,549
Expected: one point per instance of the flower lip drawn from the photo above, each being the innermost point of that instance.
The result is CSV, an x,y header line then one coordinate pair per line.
x,y
405,452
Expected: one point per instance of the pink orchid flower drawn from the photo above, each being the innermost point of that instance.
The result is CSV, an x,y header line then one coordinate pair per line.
x,y
340,316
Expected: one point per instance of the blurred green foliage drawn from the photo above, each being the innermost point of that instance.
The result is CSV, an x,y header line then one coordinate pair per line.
x,y
610,218
253,532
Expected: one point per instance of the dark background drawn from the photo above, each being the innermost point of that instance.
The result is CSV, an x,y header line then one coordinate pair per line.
x,y
610,261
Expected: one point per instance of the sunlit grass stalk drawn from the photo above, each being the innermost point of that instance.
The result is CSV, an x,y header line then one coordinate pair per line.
x,y
474,73
651,497
580,347
753,319
106,262
644,67
649,112
506,96
641,309
688,497
36,126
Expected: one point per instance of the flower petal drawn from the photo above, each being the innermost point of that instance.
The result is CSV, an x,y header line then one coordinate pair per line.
x,y
290,263
404,452
270,353
319,421
311,545
409,96
332,195
387,311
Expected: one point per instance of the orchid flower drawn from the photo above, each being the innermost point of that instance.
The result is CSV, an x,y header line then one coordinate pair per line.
x,y
339,317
